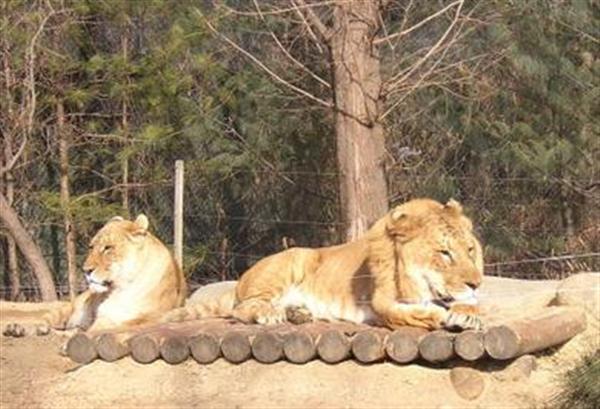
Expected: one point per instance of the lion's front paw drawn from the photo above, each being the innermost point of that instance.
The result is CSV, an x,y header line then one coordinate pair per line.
x,y
271,316
462,322
298,315
14,329
18,330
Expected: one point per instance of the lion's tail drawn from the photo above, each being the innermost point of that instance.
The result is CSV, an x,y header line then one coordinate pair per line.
x,y
212,300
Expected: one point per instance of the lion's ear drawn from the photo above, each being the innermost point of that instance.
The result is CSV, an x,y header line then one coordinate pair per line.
x,y
403,225
141,222
454,205
116,219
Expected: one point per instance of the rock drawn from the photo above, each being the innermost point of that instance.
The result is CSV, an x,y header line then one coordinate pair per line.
x,y
467,382
518,370
502,299
582,290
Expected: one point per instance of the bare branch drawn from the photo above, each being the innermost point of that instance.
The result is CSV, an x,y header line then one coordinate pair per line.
x,y
308,28
419,24
15,157
287,53
262,65
283,10
395,81
323,30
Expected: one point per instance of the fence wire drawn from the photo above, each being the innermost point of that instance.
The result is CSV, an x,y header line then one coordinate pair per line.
x,y
233,220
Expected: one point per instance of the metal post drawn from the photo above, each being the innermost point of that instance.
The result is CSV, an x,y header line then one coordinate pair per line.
x,y
178,214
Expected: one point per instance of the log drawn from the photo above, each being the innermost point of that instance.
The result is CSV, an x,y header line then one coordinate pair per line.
x,y
236,347
552,327
111,347
267,347
205,348
81,349
368,346
333,346
437,346
299,347
468,345
174,349
145,348
402,345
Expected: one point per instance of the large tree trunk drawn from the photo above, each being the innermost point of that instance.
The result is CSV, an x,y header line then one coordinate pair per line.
x,y
125,131
11,248
359,135
9,183
29,249
65,198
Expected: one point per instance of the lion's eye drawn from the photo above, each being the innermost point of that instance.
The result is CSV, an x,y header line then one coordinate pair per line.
x,y
107,248
446,255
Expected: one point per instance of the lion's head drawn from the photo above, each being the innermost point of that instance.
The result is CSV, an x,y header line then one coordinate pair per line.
x,y
440,258
114,254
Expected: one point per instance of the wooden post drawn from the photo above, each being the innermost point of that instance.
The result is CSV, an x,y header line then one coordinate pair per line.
x,y
236,347
469,345
178,214
267,347
437,346
299,347
368,346
80,348
402,345
205,348
111,347
552,327
333,346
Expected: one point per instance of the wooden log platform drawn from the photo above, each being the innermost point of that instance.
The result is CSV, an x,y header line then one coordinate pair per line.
x,y
210,339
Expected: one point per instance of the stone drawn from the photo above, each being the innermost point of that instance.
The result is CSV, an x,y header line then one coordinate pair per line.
x,y
467,382
581,290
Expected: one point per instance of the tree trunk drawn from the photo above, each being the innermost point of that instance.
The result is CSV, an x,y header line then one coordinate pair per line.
x,y
359,135
9,183
12,261
125,130
29,249
65,198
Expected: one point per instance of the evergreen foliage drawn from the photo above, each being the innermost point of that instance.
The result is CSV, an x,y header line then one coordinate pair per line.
x,y
517,142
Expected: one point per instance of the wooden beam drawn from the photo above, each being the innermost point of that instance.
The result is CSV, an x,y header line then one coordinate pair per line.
x,y
437,346
402,345
553,326
468,345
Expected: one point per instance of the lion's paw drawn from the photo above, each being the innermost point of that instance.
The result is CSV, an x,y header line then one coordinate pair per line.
x,y
298,315
15,330
462,322
18,330
271,316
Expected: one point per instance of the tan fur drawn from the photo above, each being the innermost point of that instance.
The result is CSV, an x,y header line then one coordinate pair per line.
x,y
132,277
417,254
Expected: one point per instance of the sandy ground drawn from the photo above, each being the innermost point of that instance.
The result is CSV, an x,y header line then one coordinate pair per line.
x,y
34,375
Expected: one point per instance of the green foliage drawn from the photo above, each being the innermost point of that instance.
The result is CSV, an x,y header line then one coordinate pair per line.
x,y
579,386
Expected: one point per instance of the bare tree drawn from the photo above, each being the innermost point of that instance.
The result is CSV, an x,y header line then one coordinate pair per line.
x,y
18,125
350,36
29,249
63,134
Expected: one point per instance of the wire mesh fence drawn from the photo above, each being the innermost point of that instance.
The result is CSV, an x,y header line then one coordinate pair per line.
x,y
233,220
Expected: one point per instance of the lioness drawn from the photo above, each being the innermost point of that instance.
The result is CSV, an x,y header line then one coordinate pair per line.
x,y
132,278
419,265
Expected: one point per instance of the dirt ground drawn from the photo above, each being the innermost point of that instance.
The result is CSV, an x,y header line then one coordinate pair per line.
x,y
34,375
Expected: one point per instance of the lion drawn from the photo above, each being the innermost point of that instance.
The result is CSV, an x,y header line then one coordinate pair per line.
x,y
419,265
132,279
